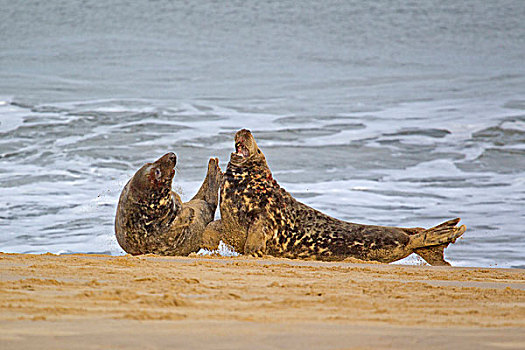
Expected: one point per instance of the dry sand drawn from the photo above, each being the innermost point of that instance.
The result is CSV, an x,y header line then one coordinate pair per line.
x,y
149,302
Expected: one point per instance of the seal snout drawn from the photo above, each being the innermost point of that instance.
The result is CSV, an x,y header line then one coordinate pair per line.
x,y
241,149
169,160
242,138
171,157
164,167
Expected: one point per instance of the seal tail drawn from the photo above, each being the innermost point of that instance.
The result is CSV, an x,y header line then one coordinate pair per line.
x,y
444,233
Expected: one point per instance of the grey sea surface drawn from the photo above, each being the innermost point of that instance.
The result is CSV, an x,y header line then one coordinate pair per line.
x,y
403,113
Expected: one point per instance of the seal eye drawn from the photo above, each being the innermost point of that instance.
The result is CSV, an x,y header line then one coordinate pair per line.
x,y
258,151
158,174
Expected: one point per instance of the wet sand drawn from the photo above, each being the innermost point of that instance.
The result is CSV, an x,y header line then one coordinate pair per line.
x,y
150,302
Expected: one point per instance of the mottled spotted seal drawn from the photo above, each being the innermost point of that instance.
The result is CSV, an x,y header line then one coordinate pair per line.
x,y
151,218
259,217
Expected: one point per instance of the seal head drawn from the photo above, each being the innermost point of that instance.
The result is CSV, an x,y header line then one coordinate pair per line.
x,y
247,153
154,180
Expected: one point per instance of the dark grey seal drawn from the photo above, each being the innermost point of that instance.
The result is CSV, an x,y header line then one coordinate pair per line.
x,y
151,218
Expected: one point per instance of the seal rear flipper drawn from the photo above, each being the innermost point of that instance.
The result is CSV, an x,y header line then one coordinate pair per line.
x,y
433,255
444,233
209,190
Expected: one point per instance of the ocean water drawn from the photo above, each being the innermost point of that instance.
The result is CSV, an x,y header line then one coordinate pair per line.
x,y
392,112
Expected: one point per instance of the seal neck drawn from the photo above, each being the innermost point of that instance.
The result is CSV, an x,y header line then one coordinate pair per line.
x,y
159,205
250,164
253,173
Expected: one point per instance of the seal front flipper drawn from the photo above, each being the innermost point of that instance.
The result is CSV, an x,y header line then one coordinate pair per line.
x,y
215,232
212,235
177,201
257,235
185,218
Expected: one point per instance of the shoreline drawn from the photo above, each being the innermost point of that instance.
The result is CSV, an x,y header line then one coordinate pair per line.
x,y
50,301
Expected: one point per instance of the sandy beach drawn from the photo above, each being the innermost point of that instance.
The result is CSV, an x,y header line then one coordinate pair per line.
x,y
150,302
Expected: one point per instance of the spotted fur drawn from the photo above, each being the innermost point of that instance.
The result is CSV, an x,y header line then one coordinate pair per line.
x,y
260,217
